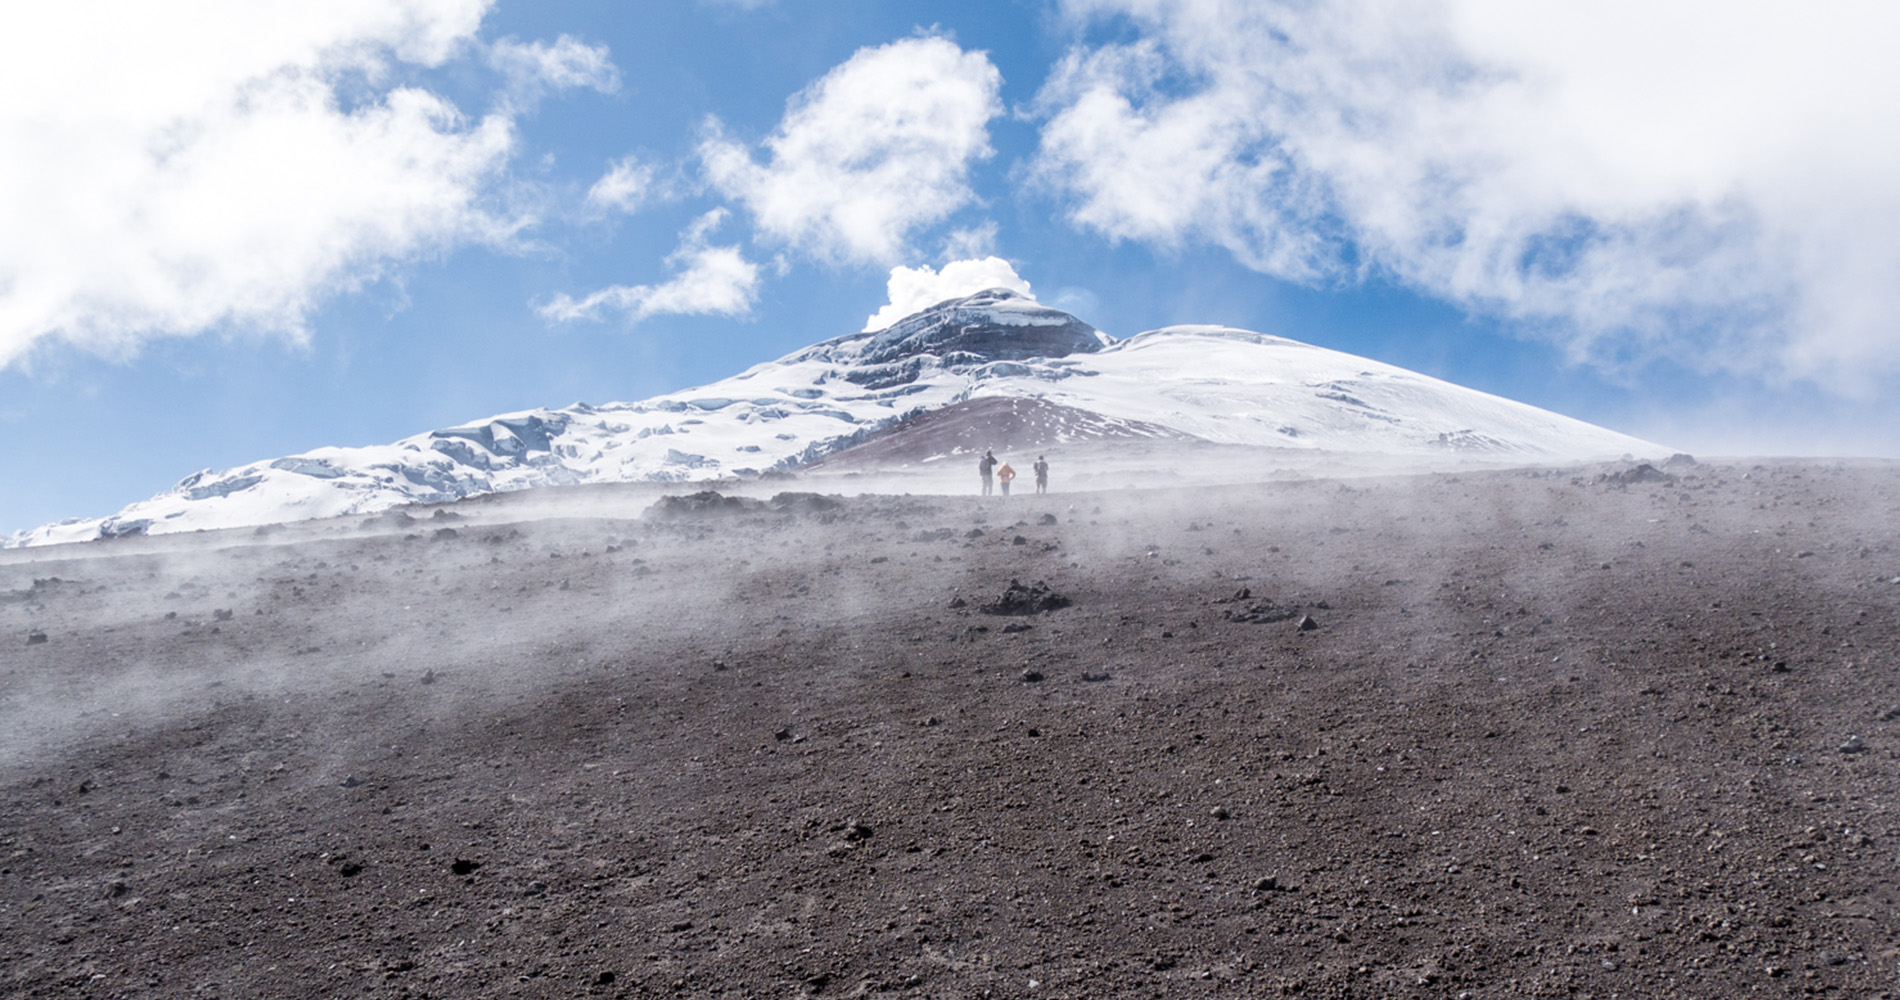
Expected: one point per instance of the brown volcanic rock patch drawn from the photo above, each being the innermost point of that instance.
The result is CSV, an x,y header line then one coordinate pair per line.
x,y
999,422
1555,738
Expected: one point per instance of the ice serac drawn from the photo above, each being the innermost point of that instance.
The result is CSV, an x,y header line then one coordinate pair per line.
x,y
939,381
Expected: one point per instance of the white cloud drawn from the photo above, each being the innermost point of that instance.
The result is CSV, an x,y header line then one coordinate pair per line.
x,y
973,241
710,280
878,148
175,167
625,186
1697,179
914,289
534,68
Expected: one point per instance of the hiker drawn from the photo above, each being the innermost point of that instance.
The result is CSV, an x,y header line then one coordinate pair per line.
x,y
984,466
1004,475
1042,474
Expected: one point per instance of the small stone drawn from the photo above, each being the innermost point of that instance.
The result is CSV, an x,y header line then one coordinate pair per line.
x,y
35,638
428,676
1266,884
1218,812
1853,745
1308,623
1031,675
1046,519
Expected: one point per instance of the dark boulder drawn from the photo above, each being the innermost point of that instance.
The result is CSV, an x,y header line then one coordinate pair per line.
x,y
1026,600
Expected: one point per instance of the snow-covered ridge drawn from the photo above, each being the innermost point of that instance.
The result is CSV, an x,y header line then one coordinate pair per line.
x,y
1218,384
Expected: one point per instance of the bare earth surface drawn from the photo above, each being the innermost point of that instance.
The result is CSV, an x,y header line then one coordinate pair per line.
x,y
1552,736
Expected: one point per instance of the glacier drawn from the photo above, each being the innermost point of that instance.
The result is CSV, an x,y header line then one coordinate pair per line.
x,y
1211,383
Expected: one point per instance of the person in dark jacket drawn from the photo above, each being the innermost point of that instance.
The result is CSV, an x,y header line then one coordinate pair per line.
x,y
1041,468
985,466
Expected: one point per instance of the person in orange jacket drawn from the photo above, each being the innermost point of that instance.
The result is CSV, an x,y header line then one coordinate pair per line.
x,y
1004,475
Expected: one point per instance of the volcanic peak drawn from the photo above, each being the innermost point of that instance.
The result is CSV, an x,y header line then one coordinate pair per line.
x,y
993,367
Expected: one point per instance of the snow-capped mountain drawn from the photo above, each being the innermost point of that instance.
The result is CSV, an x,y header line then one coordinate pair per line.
x,y
1197,382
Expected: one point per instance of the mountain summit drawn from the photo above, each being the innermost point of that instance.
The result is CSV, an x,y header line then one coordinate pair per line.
x,y
938,383
992,325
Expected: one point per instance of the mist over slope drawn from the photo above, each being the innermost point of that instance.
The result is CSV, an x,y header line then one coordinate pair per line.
x,y
1549,733
1204,383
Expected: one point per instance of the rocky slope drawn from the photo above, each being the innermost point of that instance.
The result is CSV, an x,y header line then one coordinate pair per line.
x,y
1554,735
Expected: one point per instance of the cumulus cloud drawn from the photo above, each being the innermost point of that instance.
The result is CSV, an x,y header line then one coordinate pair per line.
x,y
176,167
709,280
1694,179
535,68
879,147
914,289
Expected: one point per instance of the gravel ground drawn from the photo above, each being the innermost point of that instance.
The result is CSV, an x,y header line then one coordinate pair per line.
x,y
1512,734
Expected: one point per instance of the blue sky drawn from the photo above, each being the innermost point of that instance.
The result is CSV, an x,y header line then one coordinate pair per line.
x,y
342,223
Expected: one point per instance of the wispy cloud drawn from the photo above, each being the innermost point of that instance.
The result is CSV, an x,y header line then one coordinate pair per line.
x,y
181,167
628,184
1694,179
878,148
533,69
708,280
